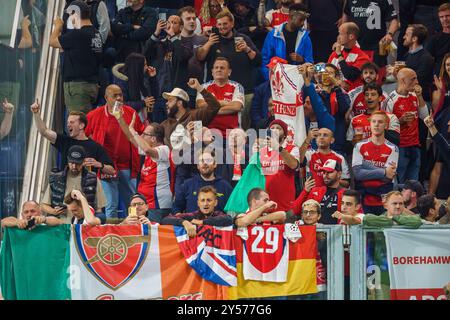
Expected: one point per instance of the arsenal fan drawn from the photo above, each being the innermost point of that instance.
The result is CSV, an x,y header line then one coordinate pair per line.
x,y
315,159
369,74
104,129
157,170
359,128
260,210
276,17
31,216
280,162
229,93
347,56
206,214
82,212
375,164
407,103
138,211
350,213
329,196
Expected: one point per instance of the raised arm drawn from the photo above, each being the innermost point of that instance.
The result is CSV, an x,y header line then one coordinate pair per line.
x,y
48,134
57,28
6,125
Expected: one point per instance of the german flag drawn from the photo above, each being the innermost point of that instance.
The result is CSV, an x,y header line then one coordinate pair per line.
x,y
301,278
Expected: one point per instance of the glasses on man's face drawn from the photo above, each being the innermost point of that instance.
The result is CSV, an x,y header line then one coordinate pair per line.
x,y
137,204
309,212
148,134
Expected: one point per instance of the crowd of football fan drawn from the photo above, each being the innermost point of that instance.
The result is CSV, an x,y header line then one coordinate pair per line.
x,y
142,83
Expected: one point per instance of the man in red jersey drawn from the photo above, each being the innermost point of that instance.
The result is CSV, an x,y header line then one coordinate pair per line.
x,y
347,56
229,93
104,129
407,103
329,196
375,164
279,163
315,159
359,128
369,74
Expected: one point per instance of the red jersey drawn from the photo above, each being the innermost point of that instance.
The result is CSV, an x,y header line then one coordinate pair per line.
x,y
358,102
379,156
104,129
155,183
280,179
354,58
361,125
315,159
230,92
399,105
276,17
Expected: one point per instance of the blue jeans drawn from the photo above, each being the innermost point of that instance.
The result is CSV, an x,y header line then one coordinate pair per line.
x,y
408,164
122,186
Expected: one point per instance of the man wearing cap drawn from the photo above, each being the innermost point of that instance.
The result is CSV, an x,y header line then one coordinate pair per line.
x,y
289,40
230,95
411,191
329,196
261,115
74,177
96,157
179,113
139,202
82,57
279,163
104,129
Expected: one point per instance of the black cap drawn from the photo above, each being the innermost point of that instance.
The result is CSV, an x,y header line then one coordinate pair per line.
x,y
76,154
138,195
413,185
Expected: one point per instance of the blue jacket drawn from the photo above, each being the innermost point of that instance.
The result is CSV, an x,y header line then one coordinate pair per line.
x,y
343,101
324,118
275,46
260,101
186,196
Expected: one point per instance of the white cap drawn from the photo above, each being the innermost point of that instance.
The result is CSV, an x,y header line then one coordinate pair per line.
x,y
176,92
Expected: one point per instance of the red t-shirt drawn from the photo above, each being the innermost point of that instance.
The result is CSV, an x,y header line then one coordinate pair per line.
x,y
399,105
315,159
361,125
358,102
379,156
280,184
276,17
231,91
354,58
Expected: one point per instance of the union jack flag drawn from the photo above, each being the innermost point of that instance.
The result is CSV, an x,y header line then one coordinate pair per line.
x,y
211,253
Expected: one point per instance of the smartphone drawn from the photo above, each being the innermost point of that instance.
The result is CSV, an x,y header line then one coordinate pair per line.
x,y
215,30
132,212
320,67
198,126
313,125
31,223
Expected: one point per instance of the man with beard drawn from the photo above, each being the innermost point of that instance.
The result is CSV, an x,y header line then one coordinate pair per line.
x,y
329,196
186,196
179,113
74,177
96,157
313,159
359,128
411,191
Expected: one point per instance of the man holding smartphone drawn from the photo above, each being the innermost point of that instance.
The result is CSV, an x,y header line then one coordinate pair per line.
x,y
31,216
